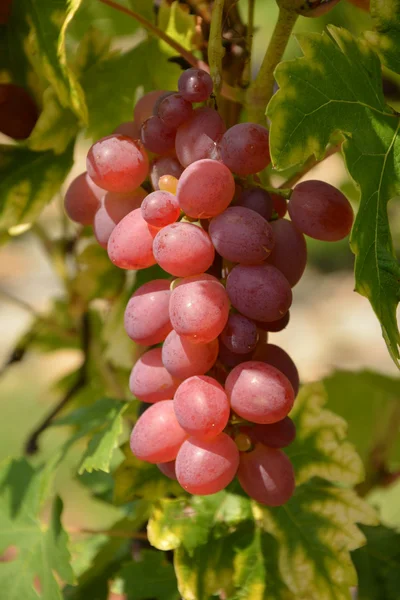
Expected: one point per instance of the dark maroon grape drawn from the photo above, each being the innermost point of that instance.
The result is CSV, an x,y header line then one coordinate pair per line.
x,y
195,85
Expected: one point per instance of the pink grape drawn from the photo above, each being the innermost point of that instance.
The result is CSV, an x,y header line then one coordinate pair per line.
x,y
164,165
183,249
266,474
174,110
205,189
275,326
131,243
150,381
240,334
289,254
144,107
244,149
259,393
199,308
114,207
157,103
241,235
129,129
320,211
146,318
160,208
156,136
157,435
201,407
280,205
117,163
207,466
278,358
195,85
274,435
196,138
258,200
183,359
168,469
259,292
82,199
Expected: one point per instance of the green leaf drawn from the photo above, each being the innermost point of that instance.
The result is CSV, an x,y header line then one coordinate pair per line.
x,y
56,127
150,576
135,478
28,181
315,531
378,564
178,23
335,87
385,39
41,550
96,276
320,448
103,420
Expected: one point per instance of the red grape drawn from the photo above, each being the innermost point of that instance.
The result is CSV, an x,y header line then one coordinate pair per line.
x,y
18,112
117,163
183,359
114,207
174,110
278,358
144,107
160,208
275,326
207,466
195,85
164,165
156,136
147,319
279,204
82,200
150,381
168,469
256,199
129,129
289,253
157,435
244,149
201,407
196,138
259,393
131,243
274,435
240,334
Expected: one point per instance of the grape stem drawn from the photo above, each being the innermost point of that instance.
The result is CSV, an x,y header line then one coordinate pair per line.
x,y
216,50
308,165
260,91
284,192
247,75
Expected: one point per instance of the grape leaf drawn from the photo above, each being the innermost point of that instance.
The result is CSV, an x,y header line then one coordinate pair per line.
x,y
135,478
178,24
41,550
103,420
28,181
378,564
336,86
96,276
315,531
385,39
150,576
320,448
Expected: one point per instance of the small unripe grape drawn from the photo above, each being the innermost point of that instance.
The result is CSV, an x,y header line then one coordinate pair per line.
x,y
168,183
243,442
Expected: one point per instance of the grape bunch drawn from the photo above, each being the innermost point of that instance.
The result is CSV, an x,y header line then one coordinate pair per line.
x,y
219,392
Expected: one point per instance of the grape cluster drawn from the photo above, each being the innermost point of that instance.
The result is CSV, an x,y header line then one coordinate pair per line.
x,y
220,393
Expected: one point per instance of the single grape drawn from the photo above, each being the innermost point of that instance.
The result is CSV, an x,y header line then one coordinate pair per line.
x,y
183,359
320,211
278,358
164,165
146,318
131,243
289,253
199,308
183,249
259,393
241,235
266,474
244,149
168,469
156,136
158,102
150,381
201,407
279,204
18,111
82,200
275,435
205,189
117,163
275,326
243,442
157,435
259,292
129,129
160,208
144,107
113,208
207,466
256,199
168,183
196,138
240,334
195,85
174,110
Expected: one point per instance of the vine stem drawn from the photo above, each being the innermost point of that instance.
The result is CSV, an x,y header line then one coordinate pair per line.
x,y
216,50
308,165
247,75
261,90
